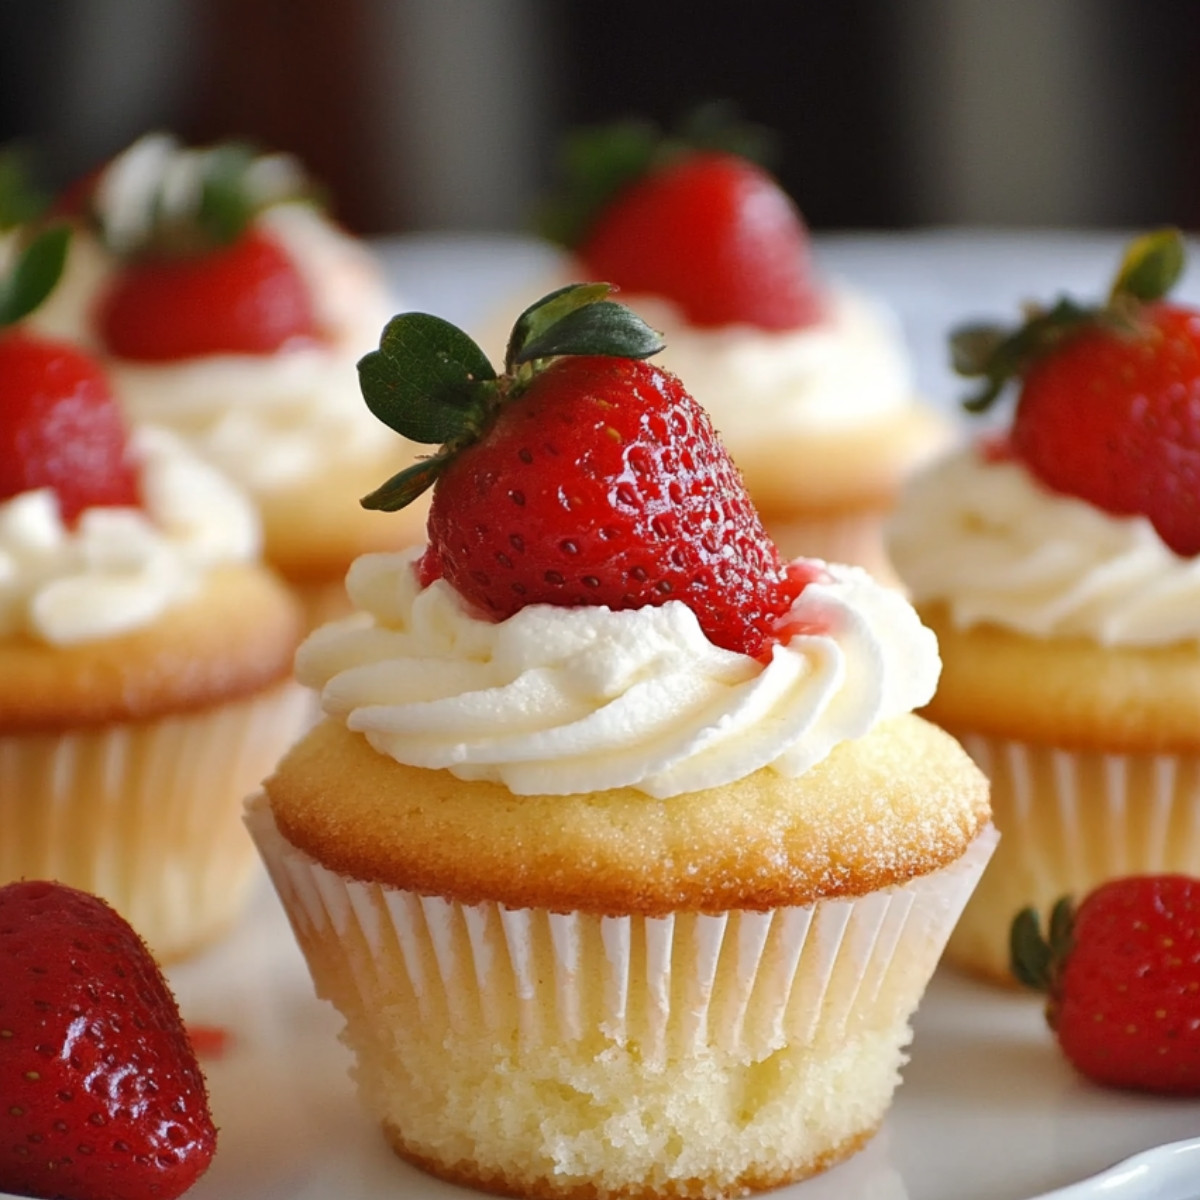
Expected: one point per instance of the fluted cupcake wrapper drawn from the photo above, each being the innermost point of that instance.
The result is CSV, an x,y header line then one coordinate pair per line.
x,y
147,814
665,1003
1071,819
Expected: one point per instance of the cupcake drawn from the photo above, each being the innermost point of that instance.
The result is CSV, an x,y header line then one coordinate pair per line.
x,y
235,318
145,654
807,380
619,848
1059,564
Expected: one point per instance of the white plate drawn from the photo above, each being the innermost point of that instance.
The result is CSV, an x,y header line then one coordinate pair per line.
x,y
987,1111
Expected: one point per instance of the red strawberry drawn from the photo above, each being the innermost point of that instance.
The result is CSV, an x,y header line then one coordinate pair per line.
x,y
586,480
60,427
706,228
244,298
716,235
102,1095
1123,977
1109,404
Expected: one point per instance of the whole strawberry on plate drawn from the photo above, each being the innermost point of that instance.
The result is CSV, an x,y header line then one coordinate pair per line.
x,y
702,241
1056,557
1121,971
234,317
103,1097
623,818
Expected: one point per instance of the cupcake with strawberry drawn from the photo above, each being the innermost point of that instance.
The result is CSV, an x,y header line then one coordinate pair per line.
x,y
808,381
1059,564
234,318
619,849
145,653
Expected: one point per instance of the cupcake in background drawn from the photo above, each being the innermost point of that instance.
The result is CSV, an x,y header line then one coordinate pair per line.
x,y
145,652
807,380
234,317
619,850
1059,565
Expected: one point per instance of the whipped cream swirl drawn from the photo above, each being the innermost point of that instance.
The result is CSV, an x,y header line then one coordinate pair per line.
x,y
119,569
993,544
555,701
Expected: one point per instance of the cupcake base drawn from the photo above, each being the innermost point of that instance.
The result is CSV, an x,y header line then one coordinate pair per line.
x,y
1070,820
147,814
575,1055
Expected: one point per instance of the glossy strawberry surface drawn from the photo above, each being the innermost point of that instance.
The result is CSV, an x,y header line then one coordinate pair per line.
x,y
102,1095
244,298
604,484
1126,1008
716,235
1113,417
60,427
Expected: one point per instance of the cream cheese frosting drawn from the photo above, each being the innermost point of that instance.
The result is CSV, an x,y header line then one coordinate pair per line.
x,y
986,539
119,569
556,701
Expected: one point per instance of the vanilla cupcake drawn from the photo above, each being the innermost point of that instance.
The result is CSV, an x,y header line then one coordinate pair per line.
x,y
808,380
630,897
235,320
145,656
1069,621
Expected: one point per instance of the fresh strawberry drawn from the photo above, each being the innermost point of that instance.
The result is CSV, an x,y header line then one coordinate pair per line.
x,y
244,298
587,479
102,1095
1109,402
1123,978
59,424
705,228
198,276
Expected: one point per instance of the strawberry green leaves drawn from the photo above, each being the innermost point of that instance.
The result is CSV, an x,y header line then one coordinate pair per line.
x,y
432,384
32,277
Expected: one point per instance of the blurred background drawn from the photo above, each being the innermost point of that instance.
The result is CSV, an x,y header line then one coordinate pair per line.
x,y
444,114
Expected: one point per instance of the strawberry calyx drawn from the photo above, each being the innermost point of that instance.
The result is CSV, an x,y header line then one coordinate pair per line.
x,y
35,271
1038,959
432,383
598,162
1150,268
21,200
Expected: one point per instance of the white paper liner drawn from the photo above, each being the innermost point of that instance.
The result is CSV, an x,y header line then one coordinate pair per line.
x,y
147,814
1070,820
745,982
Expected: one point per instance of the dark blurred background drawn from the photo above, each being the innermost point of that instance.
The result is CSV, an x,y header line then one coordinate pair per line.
x,y
444,114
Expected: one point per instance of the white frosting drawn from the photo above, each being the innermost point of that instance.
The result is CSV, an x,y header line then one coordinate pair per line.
x,y
268,421
119,569
564,700
994,545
